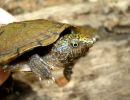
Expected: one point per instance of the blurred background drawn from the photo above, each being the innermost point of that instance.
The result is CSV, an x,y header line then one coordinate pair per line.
x,y
104,73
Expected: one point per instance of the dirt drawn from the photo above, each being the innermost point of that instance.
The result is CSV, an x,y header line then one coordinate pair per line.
x,y
104,73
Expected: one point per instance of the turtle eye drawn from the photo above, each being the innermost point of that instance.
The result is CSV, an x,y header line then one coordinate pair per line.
x,y
75,44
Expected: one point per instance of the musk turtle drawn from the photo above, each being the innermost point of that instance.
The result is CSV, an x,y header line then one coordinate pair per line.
x,y
40,46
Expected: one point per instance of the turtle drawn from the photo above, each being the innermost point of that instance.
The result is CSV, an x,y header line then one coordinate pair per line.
x,y
40,46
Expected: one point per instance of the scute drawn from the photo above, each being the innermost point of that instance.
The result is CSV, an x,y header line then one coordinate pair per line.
x,y
20,37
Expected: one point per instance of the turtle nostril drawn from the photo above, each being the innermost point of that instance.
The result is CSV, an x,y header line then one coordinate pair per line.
x,y
94,39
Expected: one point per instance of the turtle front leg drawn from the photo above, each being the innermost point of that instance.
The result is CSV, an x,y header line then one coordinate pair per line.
x,y
68,72
40,67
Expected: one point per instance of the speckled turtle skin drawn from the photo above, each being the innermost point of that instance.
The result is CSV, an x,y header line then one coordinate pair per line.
x,y
65,44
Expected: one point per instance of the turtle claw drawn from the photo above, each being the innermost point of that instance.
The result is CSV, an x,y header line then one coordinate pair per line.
x,y
51,81
40,79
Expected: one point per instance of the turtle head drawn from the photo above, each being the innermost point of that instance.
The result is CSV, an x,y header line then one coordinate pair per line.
x,y
72,46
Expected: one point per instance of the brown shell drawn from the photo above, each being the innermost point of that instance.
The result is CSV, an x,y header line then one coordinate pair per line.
x,y
20,37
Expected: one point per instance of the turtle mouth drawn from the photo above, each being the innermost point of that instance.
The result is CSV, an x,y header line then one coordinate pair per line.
x,y
91,41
